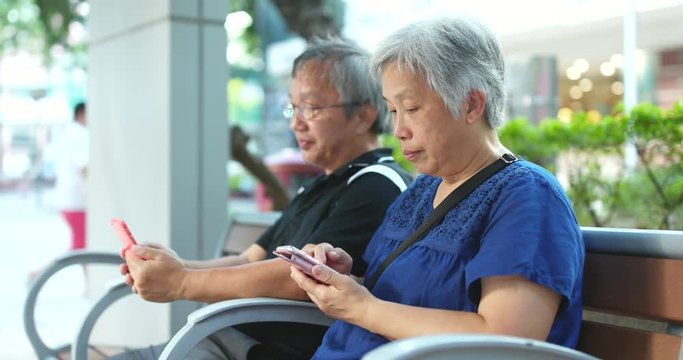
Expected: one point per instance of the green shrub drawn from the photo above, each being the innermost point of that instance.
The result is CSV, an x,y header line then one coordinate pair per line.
x,y
649,196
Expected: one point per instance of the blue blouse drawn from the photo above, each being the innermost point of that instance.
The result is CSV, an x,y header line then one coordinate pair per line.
x,y
518,222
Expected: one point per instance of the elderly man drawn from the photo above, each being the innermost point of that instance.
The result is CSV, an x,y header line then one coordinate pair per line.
x,y
335,110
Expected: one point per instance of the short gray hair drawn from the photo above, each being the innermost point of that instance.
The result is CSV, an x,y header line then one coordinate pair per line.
x,y
453,56
350,75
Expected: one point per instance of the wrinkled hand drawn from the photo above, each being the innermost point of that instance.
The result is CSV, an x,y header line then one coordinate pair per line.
x,y
123,268
336,258
337,295
156,274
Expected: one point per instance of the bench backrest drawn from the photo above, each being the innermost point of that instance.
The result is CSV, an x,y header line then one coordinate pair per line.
x,y
632,294
243,229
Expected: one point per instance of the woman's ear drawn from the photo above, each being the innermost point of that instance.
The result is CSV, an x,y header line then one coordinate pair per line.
x,y
366,117
476,103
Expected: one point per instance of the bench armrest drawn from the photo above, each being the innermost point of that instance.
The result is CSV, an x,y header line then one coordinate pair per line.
x,y
635,242
211,318
82,257
473,347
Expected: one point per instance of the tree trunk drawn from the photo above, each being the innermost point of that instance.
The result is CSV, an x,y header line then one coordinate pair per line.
x,y
308,18
256,166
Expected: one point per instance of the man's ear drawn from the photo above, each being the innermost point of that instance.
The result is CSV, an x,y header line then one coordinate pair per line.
x,y
476,103
366,117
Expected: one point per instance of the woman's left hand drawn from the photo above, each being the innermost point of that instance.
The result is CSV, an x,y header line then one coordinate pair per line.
x,y
339,296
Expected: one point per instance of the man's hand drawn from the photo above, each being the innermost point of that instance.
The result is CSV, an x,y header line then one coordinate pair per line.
x,y
156,274
123,268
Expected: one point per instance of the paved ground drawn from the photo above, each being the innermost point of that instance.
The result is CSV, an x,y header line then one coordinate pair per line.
x,y
32,234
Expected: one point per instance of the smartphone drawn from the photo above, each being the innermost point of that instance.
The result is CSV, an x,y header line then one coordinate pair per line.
x,y
124,234
297,258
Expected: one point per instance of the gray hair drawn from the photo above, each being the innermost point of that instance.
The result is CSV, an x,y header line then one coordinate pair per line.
x,y
454,57
350,75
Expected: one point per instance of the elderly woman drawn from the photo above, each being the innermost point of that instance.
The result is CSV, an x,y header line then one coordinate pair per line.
x,y
507,259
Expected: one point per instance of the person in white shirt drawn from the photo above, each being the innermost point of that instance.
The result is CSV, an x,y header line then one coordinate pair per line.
x,y
71,158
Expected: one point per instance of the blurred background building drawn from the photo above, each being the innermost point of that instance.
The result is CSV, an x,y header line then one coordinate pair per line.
x,y
562,58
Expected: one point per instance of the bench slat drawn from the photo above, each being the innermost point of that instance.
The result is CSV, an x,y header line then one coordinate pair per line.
x,y
612,342
636,286
241,236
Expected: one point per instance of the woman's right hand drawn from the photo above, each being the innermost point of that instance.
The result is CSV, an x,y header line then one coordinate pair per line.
x,y
336,258
337,295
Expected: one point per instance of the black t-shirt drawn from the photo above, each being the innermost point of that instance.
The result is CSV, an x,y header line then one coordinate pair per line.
x,y
328,210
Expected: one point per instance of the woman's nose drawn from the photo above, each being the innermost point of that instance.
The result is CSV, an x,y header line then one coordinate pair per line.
x,y
399,130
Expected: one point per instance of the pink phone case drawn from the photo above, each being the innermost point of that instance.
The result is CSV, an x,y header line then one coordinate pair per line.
x,y
297,258
124,234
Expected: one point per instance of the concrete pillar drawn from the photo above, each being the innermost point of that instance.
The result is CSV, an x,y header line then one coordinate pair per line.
x,y
157,114
532,87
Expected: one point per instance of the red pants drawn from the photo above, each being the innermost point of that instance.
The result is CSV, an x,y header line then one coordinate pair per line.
x,y
76,221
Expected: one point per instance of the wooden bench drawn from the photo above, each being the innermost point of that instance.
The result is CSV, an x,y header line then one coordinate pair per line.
x,y
633,294
633,283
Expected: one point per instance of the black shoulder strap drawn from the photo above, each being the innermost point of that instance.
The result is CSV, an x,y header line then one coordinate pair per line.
x,y
446,205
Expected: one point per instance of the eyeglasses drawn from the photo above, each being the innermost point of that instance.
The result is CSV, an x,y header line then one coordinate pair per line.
x,y
308,112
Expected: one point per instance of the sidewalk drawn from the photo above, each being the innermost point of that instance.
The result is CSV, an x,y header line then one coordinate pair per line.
x,y
31,235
